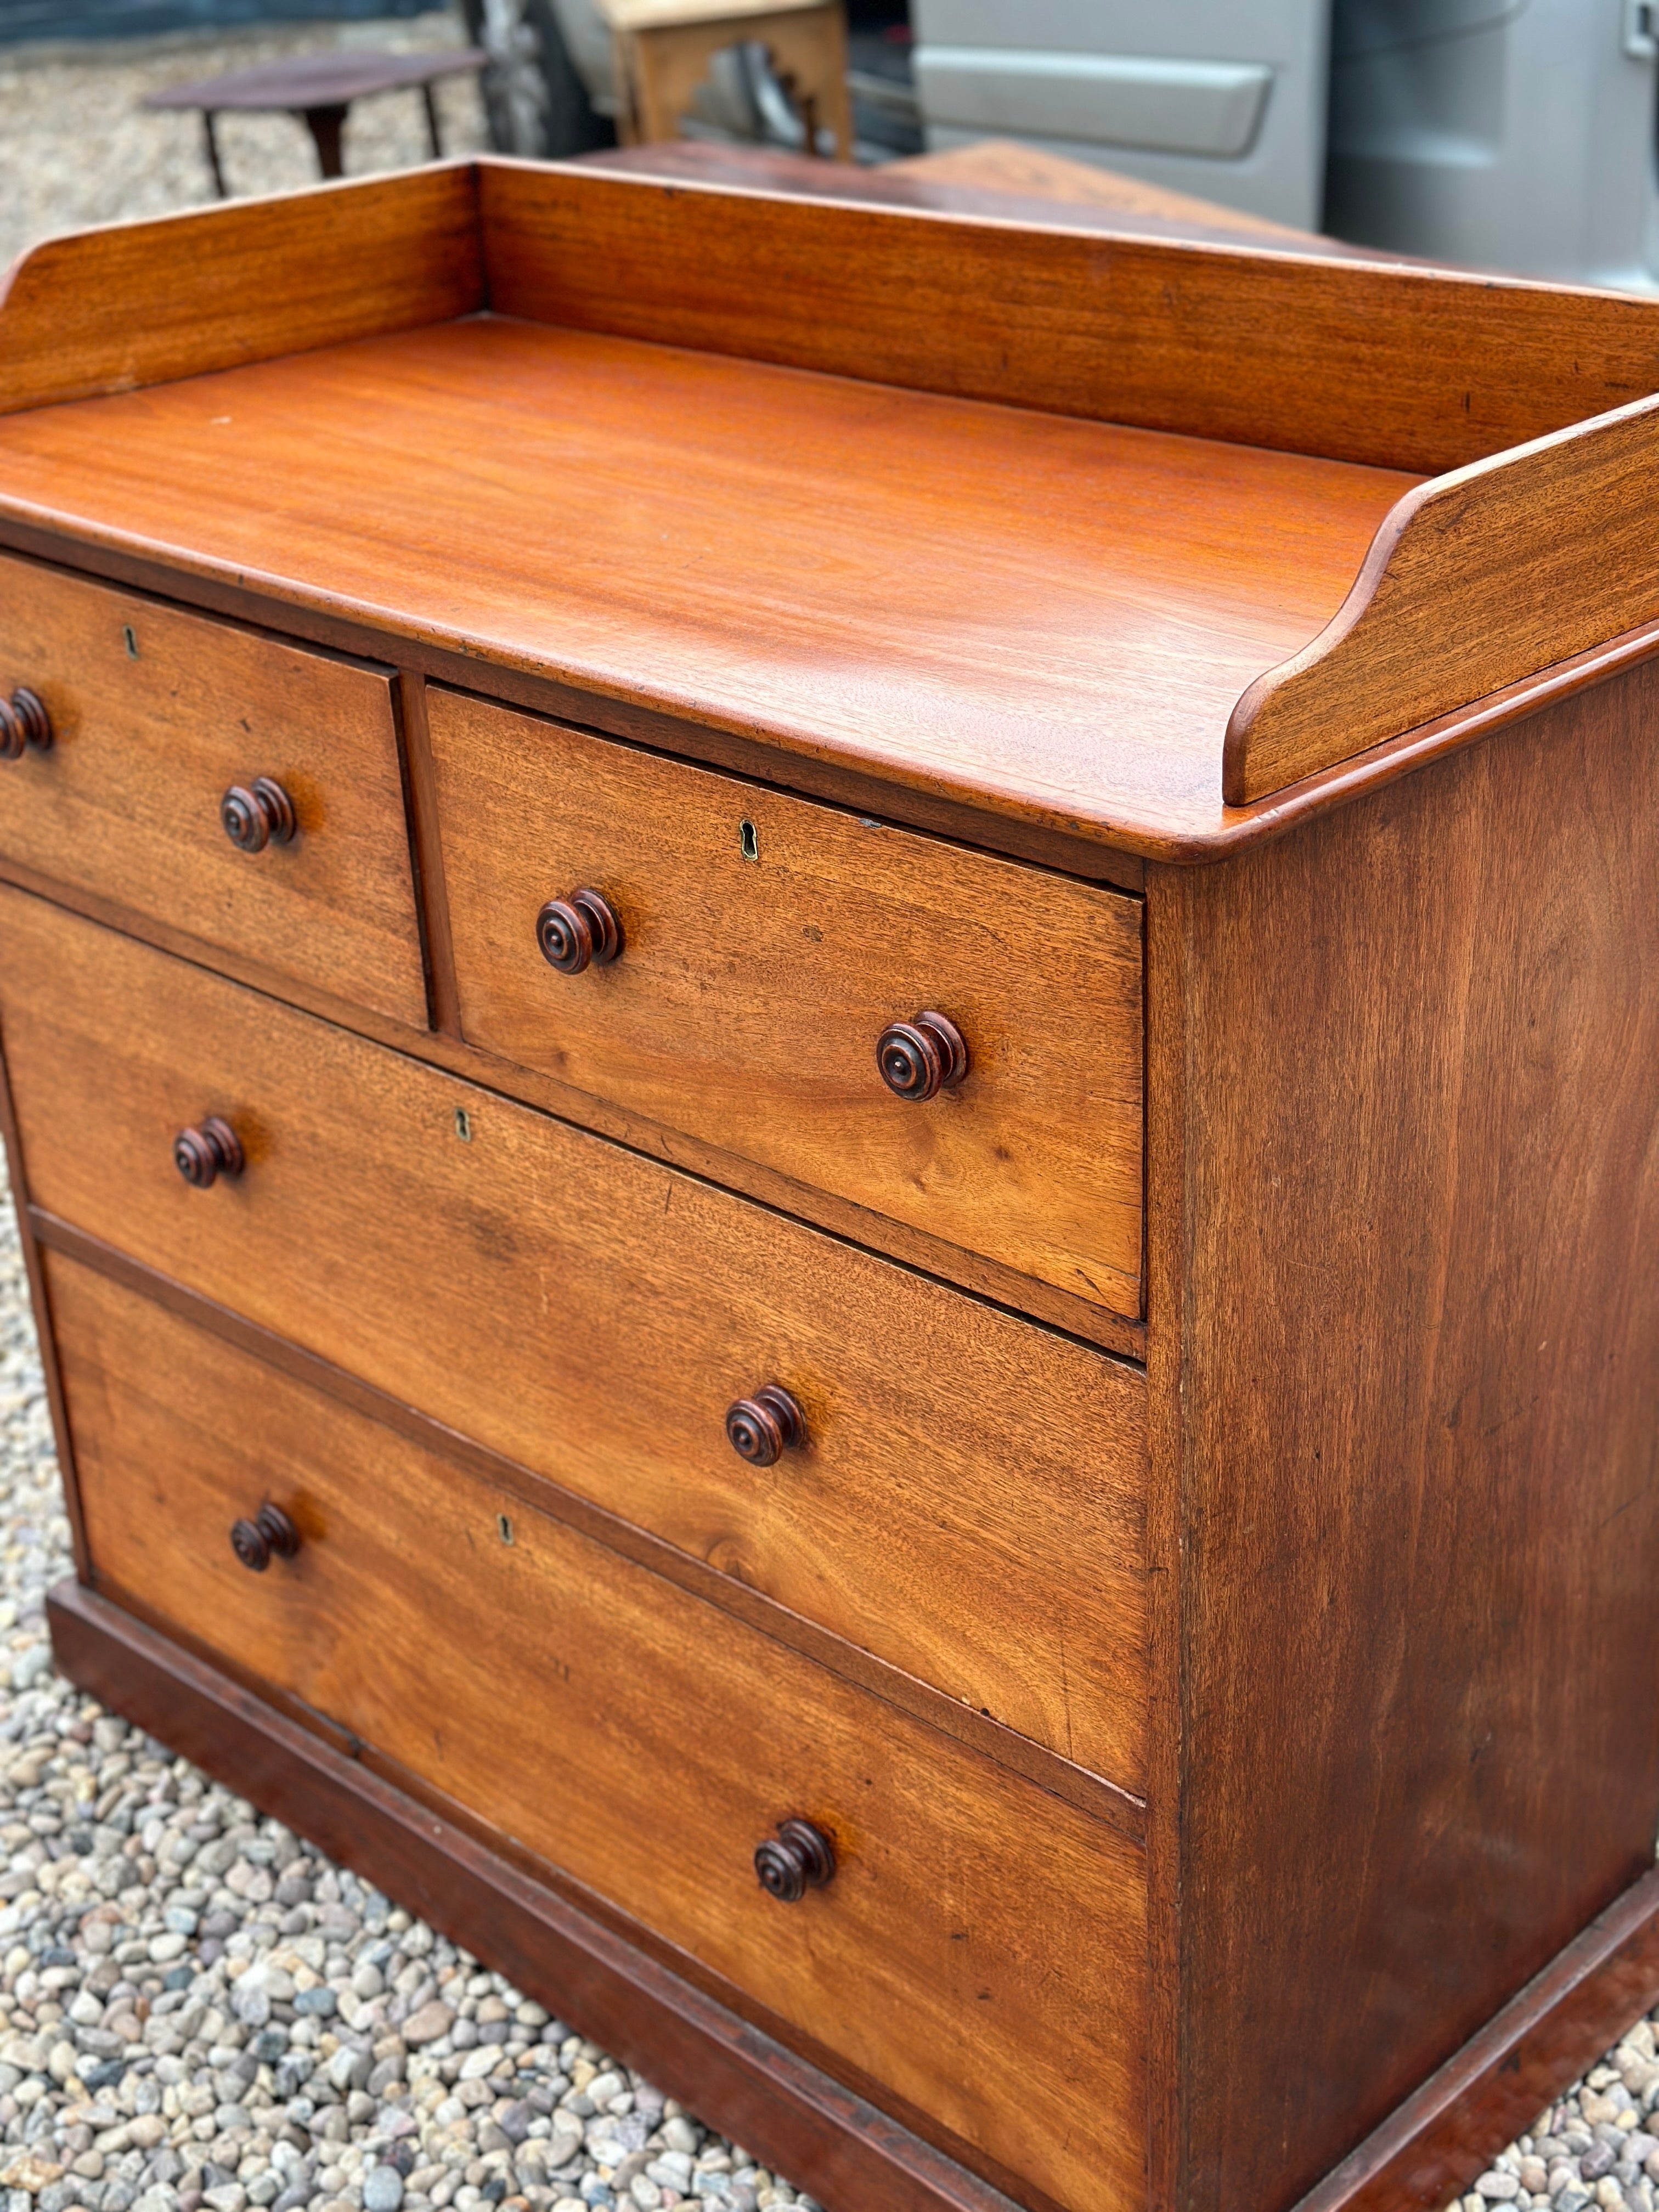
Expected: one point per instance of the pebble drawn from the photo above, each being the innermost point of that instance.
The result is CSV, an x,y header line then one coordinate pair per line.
x,y
212,2039
429,2025
1587,2152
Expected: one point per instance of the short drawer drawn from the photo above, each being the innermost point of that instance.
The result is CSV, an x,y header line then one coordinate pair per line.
x,y
640,1740
767,944
967,1502
155,716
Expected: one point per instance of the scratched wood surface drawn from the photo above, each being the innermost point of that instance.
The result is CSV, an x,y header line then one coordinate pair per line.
x,y
980,1948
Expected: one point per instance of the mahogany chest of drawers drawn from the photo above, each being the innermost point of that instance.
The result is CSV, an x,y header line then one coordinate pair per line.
x,y
830,1047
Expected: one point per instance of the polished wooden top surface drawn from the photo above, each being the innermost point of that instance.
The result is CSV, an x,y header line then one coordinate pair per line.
x,y
1056,612
1119,535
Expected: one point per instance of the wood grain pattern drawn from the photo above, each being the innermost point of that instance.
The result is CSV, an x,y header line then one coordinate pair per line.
x,y
142,303
1171,1297
1316,363
840,786
780,2103
746,1004
1020,830
1050,617
980,1947
156,713
1300,353
1293,351
1440,2140
1417,1405
592,1314
1476,581
822,1209
1102,1799
1388,1628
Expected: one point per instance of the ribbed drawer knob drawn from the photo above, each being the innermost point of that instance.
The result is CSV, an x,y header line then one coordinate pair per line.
x,y
919,1059
207,1150
759,1428
579,931
258,814
24,721
269,1531
798,1858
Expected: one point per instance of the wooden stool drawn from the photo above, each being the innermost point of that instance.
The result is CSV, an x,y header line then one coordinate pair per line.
x,y
664,48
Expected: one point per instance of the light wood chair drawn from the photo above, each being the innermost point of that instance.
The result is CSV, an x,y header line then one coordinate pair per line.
x,y
664,48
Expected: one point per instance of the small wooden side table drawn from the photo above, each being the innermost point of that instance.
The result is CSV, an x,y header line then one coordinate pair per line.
x,y
319,89
664,46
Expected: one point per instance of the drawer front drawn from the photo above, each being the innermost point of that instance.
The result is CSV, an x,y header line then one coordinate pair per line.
x,y
155,715
751,992
970,1500
980,1946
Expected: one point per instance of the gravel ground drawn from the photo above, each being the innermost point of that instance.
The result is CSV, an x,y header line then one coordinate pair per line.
x,y
197,2010
75,147
195,2007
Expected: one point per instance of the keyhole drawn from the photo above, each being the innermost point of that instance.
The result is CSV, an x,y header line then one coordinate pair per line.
x,y
463,1125
504,1527
748,842
130,636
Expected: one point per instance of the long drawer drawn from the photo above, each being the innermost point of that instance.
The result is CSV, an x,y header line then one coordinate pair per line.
x,y
767,944
968,1499
980,1947
155,715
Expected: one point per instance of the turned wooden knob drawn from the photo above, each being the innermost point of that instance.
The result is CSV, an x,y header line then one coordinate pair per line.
x,y
919,1059
761,1428
271,1530
24,721
798,1858
579,931
209,1150
258,814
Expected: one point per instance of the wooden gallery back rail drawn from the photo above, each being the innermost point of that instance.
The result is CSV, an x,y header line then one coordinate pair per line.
x,y
830,1051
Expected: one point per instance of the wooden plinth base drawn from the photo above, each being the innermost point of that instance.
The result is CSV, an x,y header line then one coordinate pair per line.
x,y
848,2154
810,2129
1430,2148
